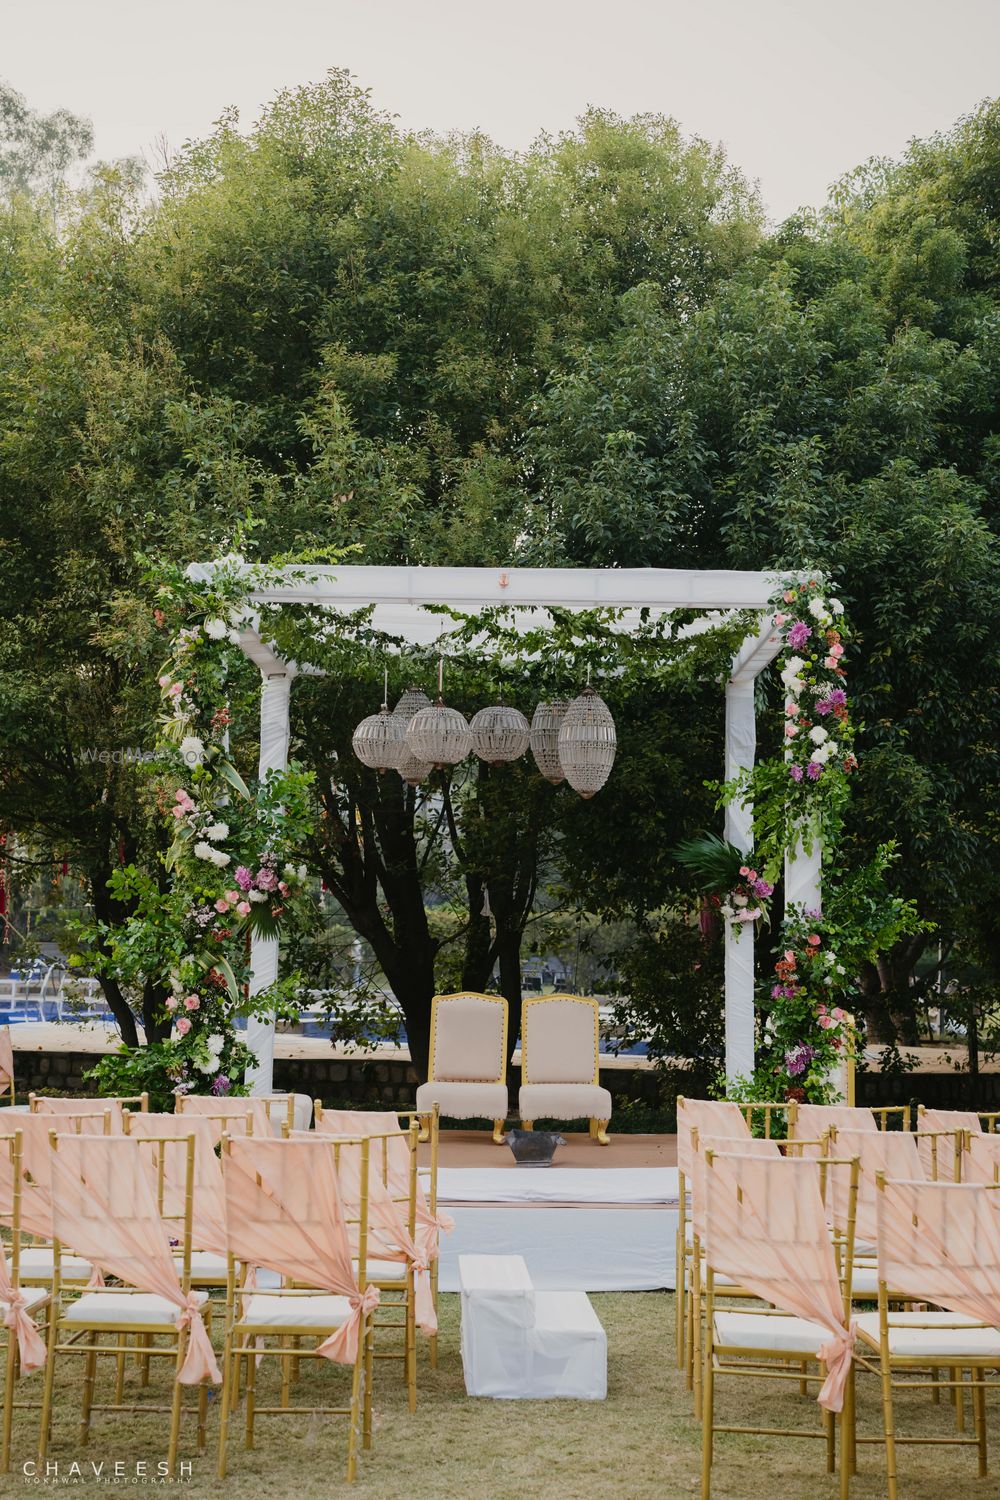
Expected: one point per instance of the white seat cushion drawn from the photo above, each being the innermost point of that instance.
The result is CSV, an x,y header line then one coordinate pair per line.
x,y
563,1101
36,1265
206,1266
321,1311
32,1297
384,1270
778,1334
115,1308
464,1101
928,1336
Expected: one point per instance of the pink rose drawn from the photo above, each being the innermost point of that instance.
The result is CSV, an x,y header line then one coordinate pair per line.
x,y
191,1002
171,1002
175,689
789,596
232,897
789,956
243,907
825,1021
282,887
838,1014
744,870
814,940
178,811
780,618
837,650
821,1008
830,661
790,731
183,1026
791,709
222,905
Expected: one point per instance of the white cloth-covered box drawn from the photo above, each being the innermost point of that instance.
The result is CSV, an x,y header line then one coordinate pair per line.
x,y
521,1344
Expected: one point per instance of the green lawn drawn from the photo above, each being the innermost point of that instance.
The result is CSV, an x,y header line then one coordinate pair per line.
x,y
641,1444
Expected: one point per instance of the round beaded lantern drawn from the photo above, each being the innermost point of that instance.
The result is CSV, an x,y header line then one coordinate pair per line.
x,y
545,725
499,734
587,743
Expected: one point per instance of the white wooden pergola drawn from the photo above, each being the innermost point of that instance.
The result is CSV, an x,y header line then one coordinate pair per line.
x,y
400,597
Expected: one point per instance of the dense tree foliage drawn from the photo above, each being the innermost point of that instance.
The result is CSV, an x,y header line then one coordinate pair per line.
x,y
589,354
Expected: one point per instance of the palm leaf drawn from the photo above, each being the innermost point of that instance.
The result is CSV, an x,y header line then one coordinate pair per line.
x,y
714,862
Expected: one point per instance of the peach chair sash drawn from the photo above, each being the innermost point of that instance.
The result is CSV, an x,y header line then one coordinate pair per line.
x,y
811,1120
31,1346
6,1058
931,1120
981,1159
893,1152
745,1145
709,1117
386,1122
766,1228
284,1210
103,1204
941,1242
36,1165
387,1218
207,1104
90,1109
208,1208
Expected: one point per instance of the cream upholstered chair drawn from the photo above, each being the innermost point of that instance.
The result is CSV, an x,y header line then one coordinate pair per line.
x,y
560,1063
468,1060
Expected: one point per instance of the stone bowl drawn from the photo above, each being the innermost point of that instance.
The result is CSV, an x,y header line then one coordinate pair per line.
x,y
533,1148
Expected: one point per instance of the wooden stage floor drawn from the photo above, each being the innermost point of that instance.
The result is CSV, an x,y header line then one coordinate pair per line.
x,y
475,1148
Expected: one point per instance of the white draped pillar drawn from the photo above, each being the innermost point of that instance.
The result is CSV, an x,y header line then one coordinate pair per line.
x,y
741,749
274,734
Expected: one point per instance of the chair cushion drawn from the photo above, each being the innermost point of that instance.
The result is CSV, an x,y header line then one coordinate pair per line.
x,y
927,1336
559,1041
99,1308
36,1265
321,1311
384,1270
464,1101
777,1334
32,1297
563,1101
206,1267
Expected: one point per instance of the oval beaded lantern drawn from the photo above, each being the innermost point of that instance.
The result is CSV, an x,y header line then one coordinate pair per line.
x,y
378,740
499,734
439,736
545,725
587,743
412,770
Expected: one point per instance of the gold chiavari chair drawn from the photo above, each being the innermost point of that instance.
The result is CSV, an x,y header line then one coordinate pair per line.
x,y
37,1251
778,1246
62,1106
938,1245
7,1066
32,1302
284,1210
105,1191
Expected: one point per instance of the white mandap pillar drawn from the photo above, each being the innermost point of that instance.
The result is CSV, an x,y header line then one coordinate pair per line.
x,y
274,735
741,749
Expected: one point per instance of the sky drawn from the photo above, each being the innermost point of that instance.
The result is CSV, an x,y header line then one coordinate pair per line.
x,y
798,91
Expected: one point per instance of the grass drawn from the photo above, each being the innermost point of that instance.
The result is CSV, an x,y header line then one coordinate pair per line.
x,y
641,1444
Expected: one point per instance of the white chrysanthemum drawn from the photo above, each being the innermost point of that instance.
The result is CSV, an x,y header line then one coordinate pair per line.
x,y
257,895
203,850
820,756
817,734
215,1043
818,610
208,1067
217,831
215,628
303,872
219,859
836,606
192,750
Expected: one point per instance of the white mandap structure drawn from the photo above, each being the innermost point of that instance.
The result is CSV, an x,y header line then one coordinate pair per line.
x,y
401,597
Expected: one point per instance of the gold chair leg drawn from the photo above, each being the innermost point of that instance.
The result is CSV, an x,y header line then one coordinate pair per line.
x,y
354,1422
230,1363
527,1124
175,1406
45,1422
979,1418
601,1133
411,1341
366,1436
435,1266
90,1371
498,1132
8,1402
888,1423
251,1397
707,1420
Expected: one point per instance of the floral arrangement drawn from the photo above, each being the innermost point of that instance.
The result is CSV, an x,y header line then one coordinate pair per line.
x,y
738,892
818,731
806,1032
228,866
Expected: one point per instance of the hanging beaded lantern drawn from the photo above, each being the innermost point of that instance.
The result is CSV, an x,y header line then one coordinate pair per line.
x,y
499,734
380,740
545,725
439,736
587,743
412,770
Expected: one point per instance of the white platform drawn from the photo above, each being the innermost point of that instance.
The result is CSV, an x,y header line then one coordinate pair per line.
x,y
581,1229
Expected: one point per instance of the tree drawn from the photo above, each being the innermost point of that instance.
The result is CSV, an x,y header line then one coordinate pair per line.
x,y
36,150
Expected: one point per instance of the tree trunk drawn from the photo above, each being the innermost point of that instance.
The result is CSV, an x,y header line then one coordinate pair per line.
x,y
153,998
508,944
106,910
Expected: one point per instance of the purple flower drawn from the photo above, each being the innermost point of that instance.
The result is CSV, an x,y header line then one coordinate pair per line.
x,y
798,635
795,772
243,877
266,879
824,706
762,888
799,1058
837,699
221,1085
814,770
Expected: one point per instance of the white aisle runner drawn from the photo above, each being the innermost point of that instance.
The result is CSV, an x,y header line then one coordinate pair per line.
x,y
622,1239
